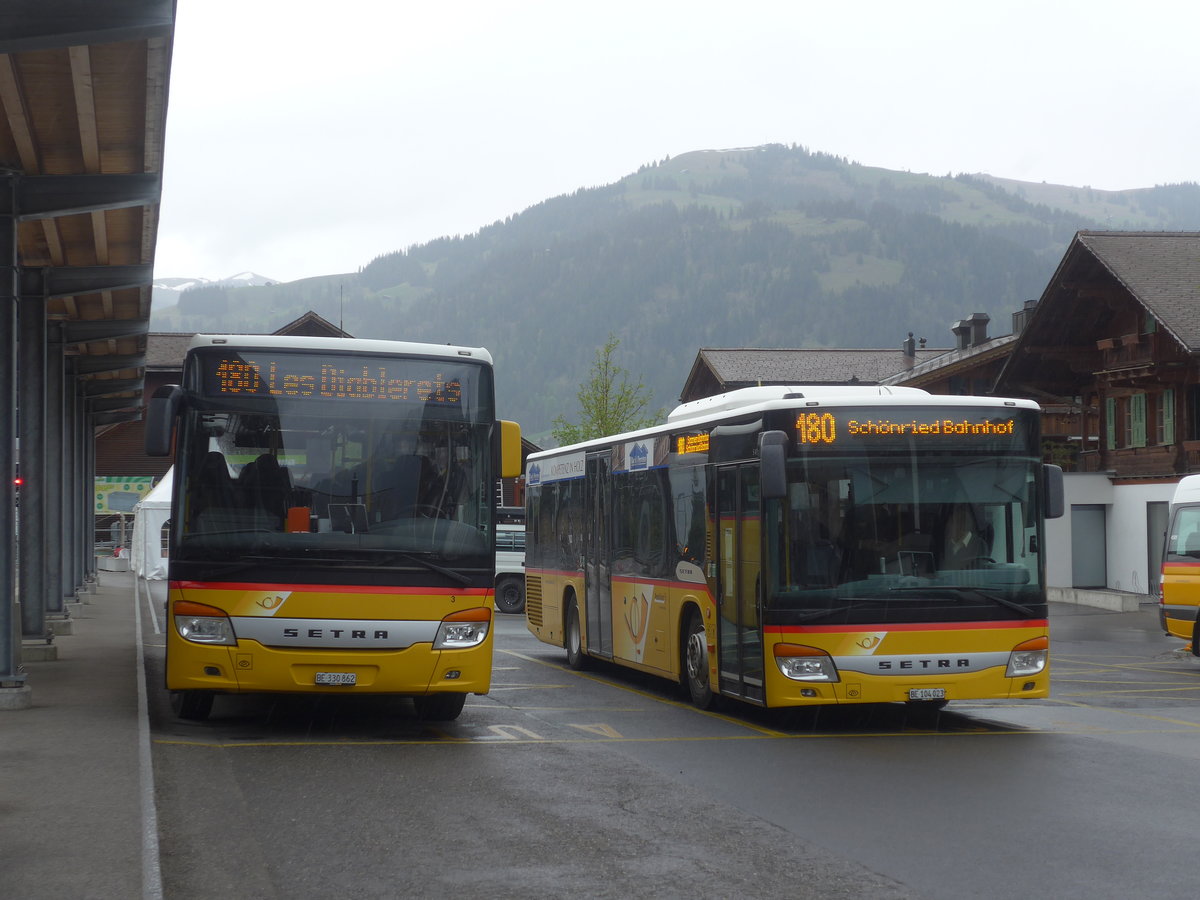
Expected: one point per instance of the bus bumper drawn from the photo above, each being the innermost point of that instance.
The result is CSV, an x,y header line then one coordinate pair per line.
x,y
251,667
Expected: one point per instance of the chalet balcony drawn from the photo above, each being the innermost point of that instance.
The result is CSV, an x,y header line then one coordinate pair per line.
x,y
1137,462
1128,351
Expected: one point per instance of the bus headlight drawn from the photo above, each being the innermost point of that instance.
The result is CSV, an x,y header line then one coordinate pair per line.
x,y
202,624
459,630
1028,658
800,663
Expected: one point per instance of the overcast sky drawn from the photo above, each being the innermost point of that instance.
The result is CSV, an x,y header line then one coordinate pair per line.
x,y
306,138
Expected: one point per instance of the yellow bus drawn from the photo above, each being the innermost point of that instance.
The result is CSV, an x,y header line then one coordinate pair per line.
x,y
1180,598
793,546
333,519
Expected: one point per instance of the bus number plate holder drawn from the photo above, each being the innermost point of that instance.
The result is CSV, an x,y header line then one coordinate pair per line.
x,y
337,678
927,694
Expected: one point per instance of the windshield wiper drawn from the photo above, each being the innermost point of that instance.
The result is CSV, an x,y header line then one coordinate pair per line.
x,y
976,592
452,574
352,564
358,564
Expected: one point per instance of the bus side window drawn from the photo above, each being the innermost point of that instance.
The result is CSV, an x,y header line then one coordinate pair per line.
x,y
1184,540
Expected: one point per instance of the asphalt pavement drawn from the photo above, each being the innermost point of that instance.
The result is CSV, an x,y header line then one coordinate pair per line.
x,y
76,811
77,818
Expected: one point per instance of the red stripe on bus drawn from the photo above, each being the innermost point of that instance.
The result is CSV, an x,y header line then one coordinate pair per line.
x,y
905,626
321,588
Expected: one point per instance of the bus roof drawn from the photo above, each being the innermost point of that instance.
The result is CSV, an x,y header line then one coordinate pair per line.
x,y
1187,491
358,345
748,396
757,399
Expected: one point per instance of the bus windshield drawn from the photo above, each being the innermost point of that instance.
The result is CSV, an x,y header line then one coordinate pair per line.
x,y
293,458
897,537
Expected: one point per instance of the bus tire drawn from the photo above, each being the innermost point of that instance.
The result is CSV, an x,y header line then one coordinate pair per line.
x,y
573,637
1196,637
192,705
510,595
439,707
694,666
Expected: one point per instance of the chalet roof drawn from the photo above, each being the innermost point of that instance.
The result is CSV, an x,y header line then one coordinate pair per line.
x,y
165,350
1102,276
824,366
313,325
948,362
1161,269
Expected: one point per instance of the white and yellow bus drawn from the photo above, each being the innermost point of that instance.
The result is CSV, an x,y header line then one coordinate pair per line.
x,y
1179,600
792,546
333,519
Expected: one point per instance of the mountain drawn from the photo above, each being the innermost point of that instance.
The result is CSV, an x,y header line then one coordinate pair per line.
x,y
167,291
768,246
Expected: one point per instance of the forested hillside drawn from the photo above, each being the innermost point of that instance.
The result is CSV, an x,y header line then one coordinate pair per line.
x,y
759,247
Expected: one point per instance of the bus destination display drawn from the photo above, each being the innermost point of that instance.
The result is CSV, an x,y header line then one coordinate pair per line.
x,y
816,428
329,377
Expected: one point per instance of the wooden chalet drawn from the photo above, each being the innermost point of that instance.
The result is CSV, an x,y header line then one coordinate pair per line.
x,y
1114,343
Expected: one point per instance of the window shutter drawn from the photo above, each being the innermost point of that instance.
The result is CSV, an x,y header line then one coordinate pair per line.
x,y
1137,410
1110,422
1168,411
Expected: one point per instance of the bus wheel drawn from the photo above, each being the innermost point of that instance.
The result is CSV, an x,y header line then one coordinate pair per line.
x,y
510,595
439,707
193,705
1196,638
575,656
695,662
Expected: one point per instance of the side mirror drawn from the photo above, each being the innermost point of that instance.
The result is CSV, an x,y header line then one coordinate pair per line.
x,y
509,449
772,463
160,419
1052,487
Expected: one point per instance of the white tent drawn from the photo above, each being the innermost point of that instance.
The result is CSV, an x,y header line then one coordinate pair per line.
x,y
149,516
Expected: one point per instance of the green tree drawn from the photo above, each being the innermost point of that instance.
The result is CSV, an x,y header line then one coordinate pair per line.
x,y
609,403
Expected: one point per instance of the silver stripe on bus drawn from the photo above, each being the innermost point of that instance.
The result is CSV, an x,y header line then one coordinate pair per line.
x,y
363,634
922,663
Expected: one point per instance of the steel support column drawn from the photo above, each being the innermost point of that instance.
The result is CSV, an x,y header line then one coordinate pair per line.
x,y
31,416
56,556
10,674
87,484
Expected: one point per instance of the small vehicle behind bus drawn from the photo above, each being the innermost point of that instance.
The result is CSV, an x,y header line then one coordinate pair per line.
x,y
510,559
1180,598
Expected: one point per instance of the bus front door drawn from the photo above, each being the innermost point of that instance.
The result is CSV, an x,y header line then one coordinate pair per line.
x,y
739,626
597,550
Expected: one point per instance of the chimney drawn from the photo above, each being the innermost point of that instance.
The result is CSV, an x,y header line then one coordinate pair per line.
x,y
962,334
1021,318
979,324
909,350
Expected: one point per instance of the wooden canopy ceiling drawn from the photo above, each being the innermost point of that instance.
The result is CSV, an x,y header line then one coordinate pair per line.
x,y
83,89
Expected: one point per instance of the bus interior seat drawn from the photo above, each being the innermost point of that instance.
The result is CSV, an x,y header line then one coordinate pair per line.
x,y
1191,545
395,489
267,486
216,490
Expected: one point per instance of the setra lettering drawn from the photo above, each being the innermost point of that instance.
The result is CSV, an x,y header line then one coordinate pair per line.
x,y
909,665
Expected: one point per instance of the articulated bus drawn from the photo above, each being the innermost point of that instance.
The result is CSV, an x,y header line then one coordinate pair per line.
x,y
333,519
795,546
